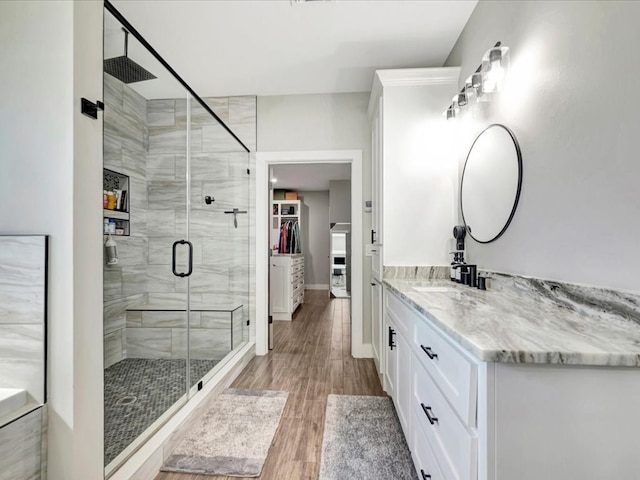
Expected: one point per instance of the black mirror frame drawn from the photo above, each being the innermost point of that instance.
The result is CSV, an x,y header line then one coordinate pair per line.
x,y
517,197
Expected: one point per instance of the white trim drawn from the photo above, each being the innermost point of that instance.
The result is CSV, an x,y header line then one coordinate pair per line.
x,y
403,77
316,286
263,161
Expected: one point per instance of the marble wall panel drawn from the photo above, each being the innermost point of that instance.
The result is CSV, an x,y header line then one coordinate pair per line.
x,y
134,318
22,455
148,342
112,282
206,279
238,325
133,164
134,279
22,279
135,105
224,251
216,139
209,166
22,358
159,278
132,250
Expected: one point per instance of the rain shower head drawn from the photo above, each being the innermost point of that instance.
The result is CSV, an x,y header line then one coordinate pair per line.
x,y
125,69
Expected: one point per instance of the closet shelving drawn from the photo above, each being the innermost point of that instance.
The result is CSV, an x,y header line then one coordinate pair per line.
x,y
283,211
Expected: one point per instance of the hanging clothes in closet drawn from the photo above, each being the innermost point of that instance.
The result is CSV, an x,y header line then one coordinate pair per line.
x,y
289,239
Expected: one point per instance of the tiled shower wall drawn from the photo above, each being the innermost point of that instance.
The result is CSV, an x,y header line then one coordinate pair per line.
x,y
125,151
222,269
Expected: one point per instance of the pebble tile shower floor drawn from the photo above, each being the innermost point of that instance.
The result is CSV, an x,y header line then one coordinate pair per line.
x,y
137,391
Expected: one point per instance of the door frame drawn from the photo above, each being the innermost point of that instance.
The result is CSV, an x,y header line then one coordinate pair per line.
x,y
263,161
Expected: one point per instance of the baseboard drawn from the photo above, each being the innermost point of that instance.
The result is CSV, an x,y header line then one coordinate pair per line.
x,y
316,286
364,350
146,462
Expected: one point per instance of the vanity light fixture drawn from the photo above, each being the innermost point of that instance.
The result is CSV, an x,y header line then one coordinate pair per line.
x,y
495,65
488,78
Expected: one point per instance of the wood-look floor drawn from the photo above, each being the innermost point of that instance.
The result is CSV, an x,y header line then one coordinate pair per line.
x,y
311,358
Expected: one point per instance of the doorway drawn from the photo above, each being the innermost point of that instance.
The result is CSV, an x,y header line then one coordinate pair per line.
x,y
266,160
340,260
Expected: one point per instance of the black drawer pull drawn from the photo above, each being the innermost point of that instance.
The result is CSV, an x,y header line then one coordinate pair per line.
x,y
392,344
425,476
429,414
429,352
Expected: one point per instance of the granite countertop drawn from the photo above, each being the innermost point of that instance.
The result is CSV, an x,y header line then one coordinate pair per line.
x,y
532,323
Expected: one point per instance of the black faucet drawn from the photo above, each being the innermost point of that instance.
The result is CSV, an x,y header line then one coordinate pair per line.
x,y
468,275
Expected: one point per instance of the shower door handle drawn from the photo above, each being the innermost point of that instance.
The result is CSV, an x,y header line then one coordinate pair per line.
x,y
173,258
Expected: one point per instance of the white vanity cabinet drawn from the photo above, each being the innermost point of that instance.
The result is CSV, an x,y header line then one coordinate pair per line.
x,y
286,277
467,419
413,170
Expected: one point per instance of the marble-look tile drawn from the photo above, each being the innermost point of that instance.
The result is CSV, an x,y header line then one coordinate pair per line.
x,y
176,299
161,167
207,279
129,131
242,110
204,344
116,307
112,282
238,326
134,279
161,223
247,133
199,116
22,279
224,251
134,104
416,273
134,318
113,348
216,139
113,91
166,140
116,321
239,278
157,319
131,251
164,195
22,358
219,320
21,455
231,192
148,342
209,166
205,223
138,222
159,278
133,164
161,113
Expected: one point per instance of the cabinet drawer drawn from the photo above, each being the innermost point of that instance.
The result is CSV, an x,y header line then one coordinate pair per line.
x,y
455,447
454,373
423,457
297,261
400,312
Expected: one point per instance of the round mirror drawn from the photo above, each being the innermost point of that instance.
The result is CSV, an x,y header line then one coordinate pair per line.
x,y
491,181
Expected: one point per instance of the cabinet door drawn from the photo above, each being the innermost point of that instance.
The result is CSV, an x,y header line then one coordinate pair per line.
x,y
403,383
376,175
377,336
391,357
280,281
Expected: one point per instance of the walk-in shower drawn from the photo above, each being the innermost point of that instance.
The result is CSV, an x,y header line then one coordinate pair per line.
x,y
176,305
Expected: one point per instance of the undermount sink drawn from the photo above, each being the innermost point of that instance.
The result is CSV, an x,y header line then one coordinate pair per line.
x,y
436,289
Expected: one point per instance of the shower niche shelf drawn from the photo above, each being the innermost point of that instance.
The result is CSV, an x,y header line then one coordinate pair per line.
x,y
118,184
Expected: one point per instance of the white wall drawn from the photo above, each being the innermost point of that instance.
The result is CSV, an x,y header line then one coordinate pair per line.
x,y
572,104
340,201
323,122
315,237
43,164
419,176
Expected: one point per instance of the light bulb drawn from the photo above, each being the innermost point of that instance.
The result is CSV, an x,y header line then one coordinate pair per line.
x,y
494,66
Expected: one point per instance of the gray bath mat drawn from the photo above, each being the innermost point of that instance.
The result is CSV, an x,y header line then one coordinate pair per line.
x,y
233,437
363,440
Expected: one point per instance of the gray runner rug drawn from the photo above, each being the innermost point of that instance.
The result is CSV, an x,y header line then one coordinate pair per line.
x,y
233,437
363,440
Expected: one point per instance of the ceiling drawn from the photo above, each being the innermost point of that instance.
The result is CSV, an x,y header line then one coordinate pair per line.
x,y
313,177
283,47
